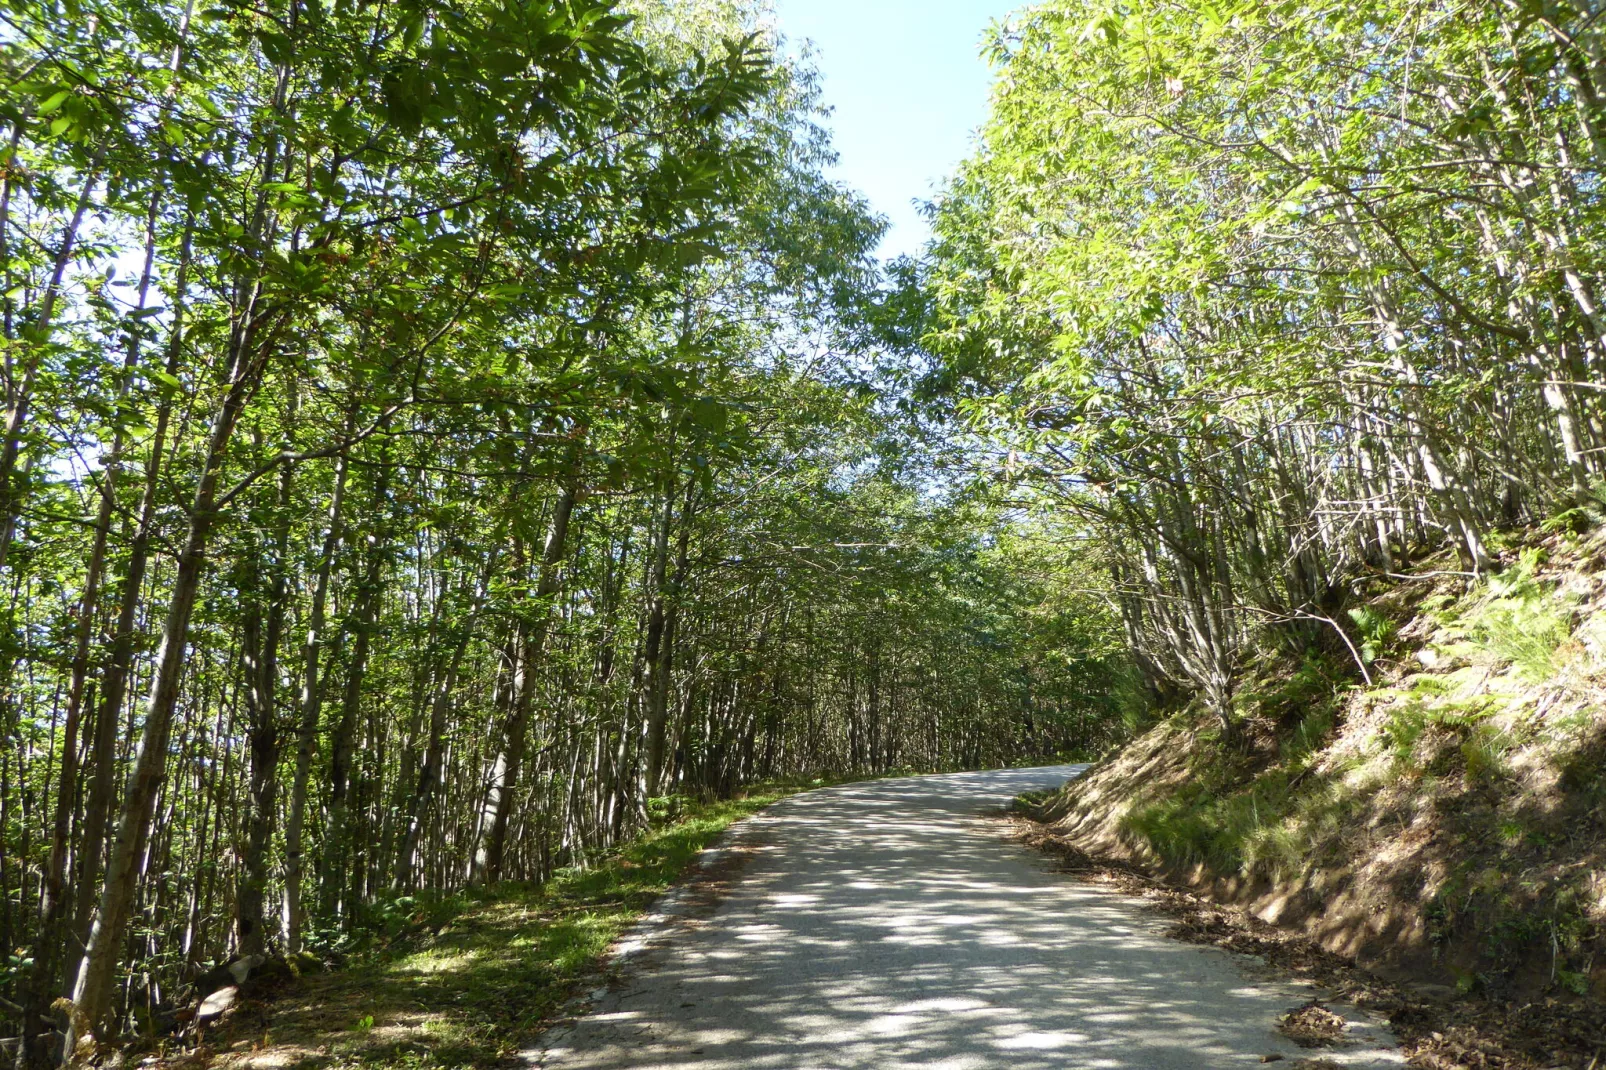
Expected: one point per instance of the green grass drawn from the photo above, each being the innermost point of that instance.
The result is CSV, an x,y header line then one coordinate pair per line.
x,y
1268,826
1521,620
1239,815
485,971
1278,820
1500,863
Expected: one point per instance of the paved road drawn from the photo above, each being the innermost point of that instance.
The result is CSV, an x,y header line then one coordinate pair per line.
x,y
890,925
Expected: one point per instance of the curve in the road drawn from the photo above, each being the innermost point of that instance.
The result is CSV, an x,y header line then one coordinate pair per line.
x,y
889,924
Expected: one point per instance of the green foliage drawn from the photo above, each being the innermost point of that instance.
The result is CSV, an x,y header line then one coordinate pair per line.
x,y
490,968
1511,922
514,381
1309,735
471,391
1278,694
1421,732
1521,621
1258,368
1263,827
1376,631
1428,686
1579,518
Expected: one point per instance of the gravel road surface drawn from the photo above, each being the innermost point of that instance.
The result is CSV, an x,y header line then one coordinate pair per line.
x,y
890,924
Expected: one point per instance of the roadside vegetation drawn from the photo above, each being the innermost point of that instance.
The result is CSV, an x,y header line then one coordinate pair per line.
x,y
1291,312
466,980
1445,825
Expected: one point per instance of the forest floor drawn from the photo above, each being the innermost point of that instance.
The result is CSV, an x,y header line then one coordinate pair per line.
x,y
474,981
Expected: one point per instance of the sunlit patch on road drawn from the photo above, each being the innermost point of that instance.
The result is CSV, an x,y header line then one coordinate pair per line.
x,y
891,926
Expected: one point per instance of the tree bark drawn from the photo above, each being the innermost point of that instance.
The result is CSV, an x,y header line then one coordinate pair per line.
x,y
311,706
50,944
334,858
509,763
261,636
661,628
93,988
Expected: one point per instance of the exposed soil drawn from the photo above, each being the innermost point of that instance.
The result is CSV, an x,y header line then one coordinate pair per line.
x,y
1437,1029
1439,819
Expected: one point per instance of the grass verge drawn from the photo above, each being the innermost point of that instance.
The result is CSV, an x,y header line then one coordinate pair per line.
x,y
483,973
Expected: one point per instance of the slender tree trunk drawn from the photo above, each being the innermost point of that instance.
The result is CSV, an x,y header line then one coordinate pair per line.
x,y
334,859
50,945
261,635
93,990
429,781
120,653
510,761
310,707
661,635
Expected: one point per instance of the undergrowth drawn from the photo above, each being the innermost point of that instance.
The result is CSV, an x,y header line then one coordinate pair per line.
x,y
1464,787
1519,620
467,981
1250,814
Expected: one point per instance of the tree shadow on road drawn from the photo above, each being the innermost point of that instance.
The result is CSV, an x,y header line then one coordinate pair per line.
x,y
885,925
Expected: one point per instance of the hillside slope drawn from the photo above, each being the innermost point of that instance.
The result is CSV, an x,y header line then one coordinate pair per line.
x,y
1444,823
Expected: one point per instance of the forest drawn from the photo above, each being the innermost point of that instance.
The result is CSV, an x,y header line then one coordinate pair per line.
x,y
436,434
440,432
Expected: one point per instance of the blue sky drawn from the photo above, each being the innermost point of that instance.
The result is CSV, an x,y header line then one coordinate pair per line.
x,y
909,88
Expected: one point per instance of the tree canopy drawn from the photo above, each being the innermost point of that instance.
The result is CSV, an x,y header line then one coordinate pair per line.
x,y
1277,297
437,432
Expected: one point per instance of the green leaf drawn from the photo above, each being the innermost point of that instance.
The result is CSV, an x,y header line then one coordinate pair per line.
x,y
277,48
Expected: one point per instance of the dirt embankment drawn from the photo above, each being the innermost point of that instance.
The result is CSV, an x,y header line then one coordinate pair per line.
x,y
1444,826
